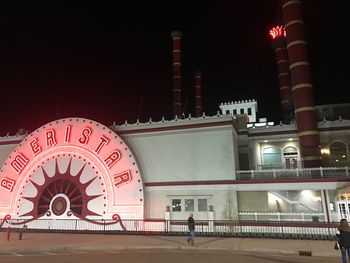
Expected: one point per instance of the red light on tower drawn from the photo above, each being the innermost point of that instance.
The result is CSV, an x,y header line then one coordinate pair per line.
x,y
277,32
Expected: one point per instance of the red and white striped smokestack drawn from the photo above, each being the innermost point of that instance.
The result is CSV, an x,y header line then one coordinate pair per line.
x,y
176,36
198,89
302,89
278,43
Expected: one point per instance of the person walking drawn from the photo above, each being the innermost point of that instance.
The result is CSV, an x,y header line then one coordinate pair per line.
x,y
343,235
191,228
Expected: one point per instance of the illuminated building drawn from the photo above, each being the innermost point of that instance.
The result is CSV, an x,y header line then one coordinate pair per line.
x,y
218,167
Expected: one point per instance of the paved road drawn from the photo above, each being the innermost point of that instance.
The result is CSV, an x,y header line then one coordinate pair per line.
x,y
161,256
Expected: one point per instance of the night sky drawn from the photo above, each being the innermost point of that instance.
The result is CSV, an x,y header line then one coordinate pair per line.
x,y
112,61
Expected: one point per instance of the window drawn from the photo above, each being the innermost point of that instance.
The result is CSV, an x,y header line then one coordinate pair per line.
x,y
272,156
337,151
234,112
227,112
176,205
249,111
290,155
189,205
242,111
202,205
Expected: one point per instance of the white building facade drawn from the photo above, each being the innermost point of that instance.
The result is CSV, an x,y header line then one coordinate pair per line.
x,y
215,167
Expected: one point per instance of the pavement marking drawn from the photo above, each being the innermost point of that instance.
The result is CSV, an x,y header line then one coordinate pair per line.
x,y
79,252
17,254
49,253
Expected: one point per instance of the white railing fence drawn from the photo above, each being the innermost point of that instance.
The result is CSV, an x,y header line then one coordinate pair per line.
x,y
299,173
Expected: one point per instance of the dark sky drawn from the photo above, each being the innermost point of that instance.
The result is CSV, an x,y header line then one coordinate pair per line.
x,y
113,60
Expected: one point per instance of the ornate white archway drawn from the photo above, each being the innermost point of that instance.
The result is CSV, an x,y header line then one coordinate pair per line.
x,y
72,168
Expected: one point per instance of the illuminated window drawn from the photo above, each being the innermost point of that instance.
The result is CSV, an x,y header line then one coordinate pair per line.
x,y
189,205
202,205
176,205
337,152
290,155
272,156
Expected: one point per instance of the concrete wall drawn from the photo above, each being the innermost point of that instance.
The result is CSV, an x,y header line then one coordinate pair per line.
x,y
253,201
220,197
185,155
303,201
5,151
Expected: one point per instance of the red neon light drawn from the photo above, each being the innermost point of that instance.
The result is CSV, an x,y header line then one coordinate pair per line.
x,y
277,32
122,178
50,138
8,184
91,145
19,163
112,158
34,146
67,136
85,134
103,141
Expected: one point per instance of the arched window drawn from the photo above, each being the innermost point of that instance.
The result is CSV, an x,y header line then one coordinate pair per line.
x,y
337,152
290,155
290,151
272,156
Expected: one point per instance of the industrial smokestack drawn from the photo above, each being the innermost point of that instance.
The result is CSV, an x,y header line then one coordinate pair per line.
x,y
198,89
278,43
302,88
176,36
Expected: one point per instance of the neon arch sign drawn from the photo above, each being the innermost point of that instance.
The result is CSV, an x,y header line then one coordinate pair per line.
x,y
71,168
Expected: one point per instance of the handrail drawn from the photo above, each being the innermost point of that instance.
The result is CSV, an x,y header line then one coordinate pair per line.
x,y
298,173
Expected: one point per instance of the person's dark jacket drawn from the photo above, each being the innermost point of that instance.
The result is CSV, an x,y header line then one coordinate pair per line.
x,y
344,238
190,222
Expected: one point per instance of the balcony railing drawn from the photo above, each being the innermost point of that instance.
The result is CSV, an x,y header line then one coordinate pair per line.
x,y
227,228
302,173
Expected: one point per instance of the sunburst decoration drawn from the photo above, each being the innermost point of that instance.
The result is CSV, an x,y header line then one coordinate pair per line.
x,y
50,194
62,183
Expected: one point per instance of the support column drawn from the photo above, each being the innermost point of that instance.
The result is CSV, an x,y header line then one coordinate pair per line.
x,y
176,36
198,88
302,88
325,206
278,43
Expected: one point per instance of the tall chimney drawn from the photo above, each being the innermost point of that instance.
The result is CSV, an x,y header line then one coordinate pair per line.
x,y
302,88
176,36
198,88
278,43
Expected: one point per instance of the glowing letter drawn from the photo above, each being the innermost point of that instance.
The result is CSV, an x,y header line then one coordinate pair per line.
x,y
34,146
67,136
104,140
50,138
85,133
19,163
8,184
122,178
112,158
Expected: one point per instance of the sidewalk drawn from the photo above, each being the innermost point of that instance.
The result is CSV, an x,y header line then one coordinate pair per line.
x,y
54,242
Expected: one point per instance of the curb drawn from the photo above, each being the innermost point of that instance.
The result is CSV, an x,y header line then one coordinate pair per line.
x,y
130,248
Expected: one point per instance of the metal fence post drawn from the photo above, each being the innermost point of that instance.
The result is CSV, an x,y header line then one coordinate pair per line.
x,y
8,233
